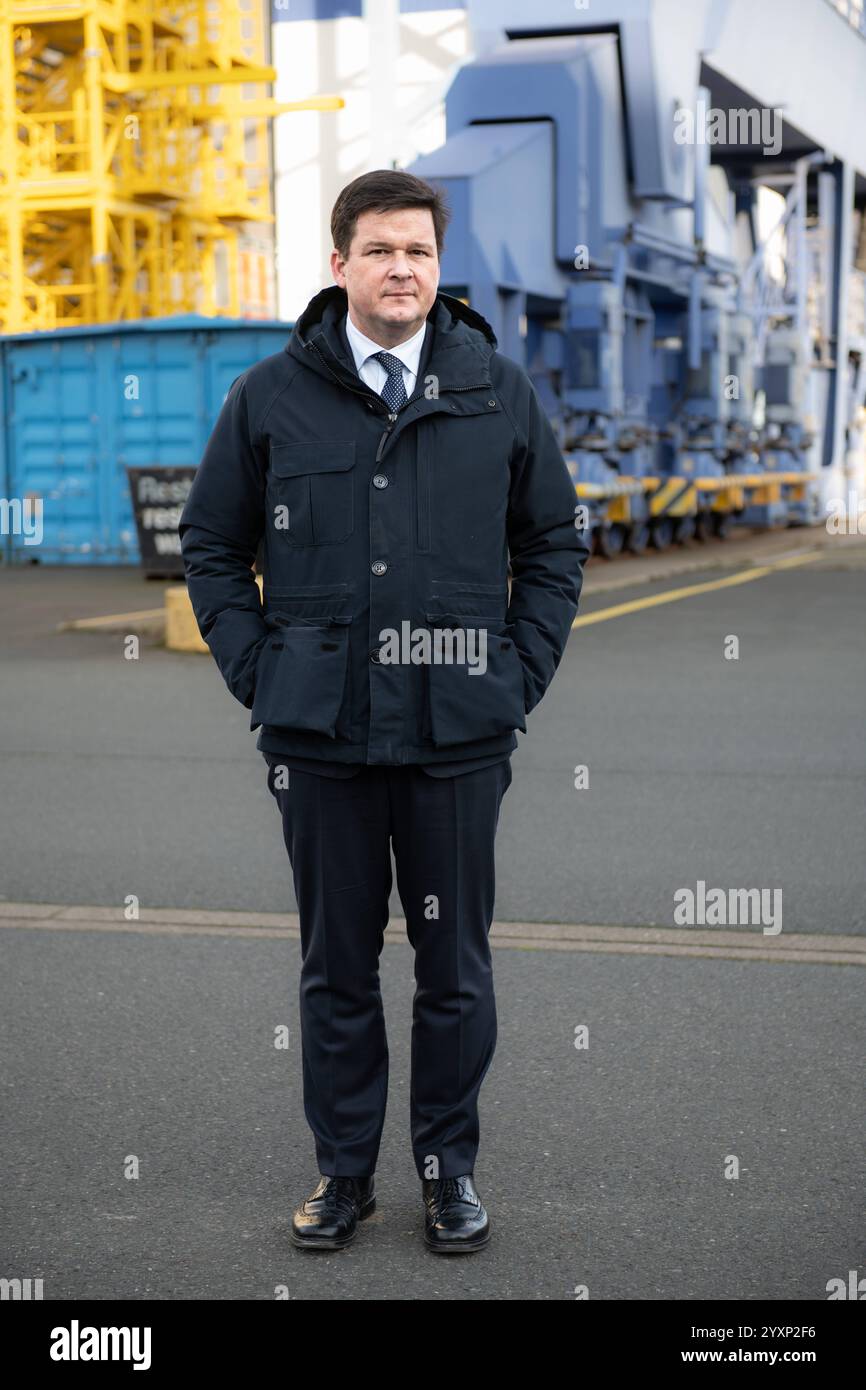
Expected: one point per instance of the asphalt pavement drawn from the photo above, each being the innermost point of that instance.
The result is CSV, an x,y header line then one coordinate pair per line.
x,y
607,1167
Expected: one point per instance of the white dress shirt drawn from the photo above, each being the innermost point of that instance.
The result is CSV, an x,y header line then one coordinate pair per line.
x,y
371,371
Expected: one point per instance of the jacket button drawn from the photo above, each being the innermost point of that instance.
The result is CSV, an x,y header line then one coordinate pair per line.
x,y
374,655
491,402
379,480
379,567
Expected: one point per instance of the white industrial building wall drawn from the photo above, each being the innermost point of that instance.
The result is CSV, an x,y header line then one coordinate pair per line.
x,y
392,62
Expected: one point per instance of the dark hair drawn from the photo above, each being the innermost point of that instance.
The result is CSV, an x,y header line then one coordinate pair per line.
x,y
379,191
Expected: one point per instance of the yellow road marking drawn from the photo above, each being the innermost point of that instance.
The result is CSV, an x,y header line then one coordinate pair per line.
x,y
712,943
109,618
671,595
617,611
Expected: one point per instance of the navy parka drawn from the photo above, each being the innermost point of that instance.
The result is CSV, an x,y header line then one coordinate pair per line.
x,y
370,521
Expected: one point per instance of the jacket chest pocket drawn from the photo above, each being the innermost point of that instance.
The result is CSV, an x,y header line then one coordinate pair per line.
x,y
462,478
310,496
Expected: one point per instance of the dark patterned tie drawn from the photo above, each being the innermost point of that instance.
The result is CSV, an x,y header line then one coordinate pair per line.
x,y
394,391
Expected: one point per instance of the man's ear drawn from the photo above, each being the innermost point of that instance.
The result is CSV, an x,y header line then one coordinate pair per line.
x,y
337,263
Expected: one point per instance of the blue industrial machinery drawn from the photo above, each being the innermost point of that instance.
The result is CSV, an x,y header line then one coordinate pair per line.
x,y
624,270
697,368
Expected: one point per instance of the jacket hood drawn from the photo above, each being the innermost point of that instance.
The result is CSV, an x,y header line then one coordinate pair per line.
x,y
456,327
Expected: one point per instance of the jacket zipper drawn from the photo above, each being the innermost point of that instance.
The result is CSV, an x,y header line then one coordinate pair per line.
x,y
390,414
391,418
416,396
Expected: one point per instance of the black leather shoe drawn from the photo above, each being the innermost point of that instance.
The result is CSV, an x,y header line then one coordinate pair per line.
x,y
454,1219
328,1219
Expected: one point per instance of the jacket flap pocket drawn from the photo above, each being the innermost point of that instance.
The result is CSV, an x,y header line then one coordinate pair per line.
x,y
492,622
317,456
313,602
451,586
315,621
483,602
475,680
301,679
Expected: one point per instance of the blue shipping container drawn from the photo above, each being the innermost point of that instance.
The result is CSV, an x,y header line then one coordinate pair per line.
x,y
81,405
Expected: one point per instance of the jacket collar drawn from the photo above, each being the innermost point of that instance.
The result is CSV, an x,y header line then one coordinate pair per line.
x,y
457,348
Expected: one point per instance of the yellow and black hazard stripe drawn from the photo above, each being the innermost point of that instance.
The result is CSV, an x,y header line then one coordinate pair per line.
x,y
675,497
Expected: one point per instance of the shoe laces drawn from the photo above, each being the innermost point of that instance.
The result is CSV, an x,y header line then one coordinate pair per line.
x,y
451,1191
341,1195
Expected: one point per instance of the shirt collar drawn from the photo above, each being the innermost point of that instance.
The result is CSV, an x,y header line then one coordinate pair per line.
x,y
363,347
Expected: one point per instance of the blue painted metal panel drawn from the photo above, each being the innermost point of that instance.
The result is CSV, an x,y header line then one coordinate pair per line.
x,y
81,405
292,11
289,11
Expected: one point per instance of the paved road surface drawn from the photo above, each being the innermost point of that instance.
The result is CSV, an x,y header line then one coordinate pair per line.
x,y
602,1167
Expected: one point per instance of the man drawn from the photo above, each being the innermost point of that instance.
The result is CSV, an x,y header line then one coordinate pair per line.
x,y
390,460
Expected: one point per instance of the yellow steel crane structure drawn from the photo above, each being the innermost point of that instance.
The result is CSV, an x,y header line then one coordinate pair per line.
x,y
134,159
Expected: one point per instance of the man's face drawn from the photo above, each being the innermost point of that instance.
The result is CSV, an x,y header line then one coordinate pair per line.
x,y
392,273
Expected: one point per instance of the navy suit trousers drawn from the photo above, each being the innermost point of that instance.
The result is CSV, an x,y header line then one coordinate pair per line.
x,y
338,834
